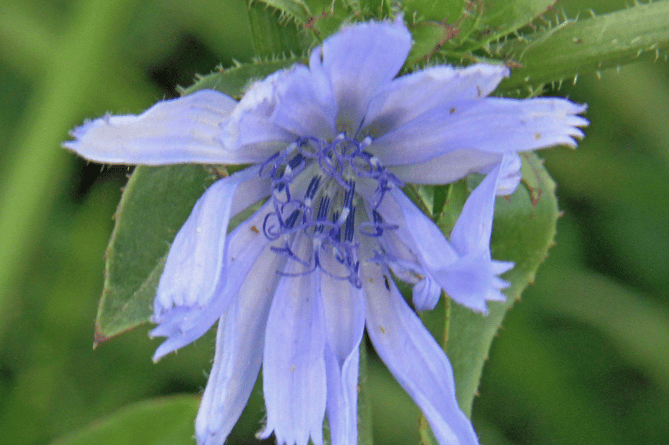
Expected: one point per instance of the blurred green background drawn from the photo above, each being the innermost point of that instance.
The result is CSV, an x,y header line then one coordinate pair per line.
x,y
582,359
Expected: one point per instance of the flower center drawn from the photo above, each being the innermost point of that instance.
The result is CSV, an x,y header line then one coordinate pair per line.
x,y
314,192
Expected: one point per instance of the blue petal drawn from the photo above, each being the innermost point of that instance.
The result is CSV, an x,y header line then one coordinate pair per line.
x,y
417,231
403,258
359,60
467,275
446,168
342,396
409,96
414,357
344,310
494,125
173,131
239,345
509,176
250,127
196,257
472,231
306,104
458,164
345,322
204,268
473,279
294,376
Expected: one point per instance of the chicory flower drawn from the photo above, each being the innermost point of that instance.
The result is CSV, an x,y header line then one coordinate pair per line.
x,y
329,148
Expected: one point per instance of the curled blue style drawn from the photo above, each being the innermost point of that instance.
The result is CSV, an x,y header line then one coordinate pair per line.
x,y
330,146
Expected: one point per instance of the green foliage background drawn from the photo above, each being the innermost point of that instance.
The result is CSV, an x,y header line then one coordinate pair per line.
x,y
583,359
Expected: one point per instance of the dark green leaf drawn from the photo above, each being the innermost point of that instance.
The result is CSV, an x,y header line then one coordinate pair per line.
x,y
155,204
167,421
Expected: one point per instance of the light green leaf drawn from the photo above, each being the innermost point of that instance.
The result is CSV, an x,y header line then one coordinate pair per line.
x,y
523,231
166,421
587,45
154,205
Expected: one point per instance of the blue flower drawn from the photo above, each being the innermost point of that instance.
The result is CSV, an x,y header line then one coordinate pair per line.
x,y
294,286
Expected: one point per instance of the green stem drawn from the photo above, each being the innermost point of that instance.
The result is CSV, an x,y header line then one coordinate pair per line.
x,y
365,421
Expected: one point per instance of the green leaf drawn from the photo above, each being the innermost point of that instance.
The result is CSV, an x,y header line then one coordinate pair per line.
x,y
589,45
428,39
154,205
295,26
439,10
455,29
523,231
165,421
502,18
273,31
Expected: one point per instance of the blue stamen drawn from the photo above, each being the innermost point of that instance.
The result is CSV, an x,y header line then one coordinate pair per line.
x,y
378,225
332,228
348,196
290,221
322,213
312,189
296,160
349,228
335,231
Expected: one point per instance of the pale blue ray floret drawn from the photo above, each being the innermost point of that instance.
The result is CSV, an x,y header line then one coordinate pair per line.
x,y
330,146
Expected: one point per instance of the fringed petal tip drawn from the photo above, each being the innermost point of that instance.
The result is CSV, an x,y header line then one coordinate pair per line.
x,y
182,325
565,128
474,280
169,326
